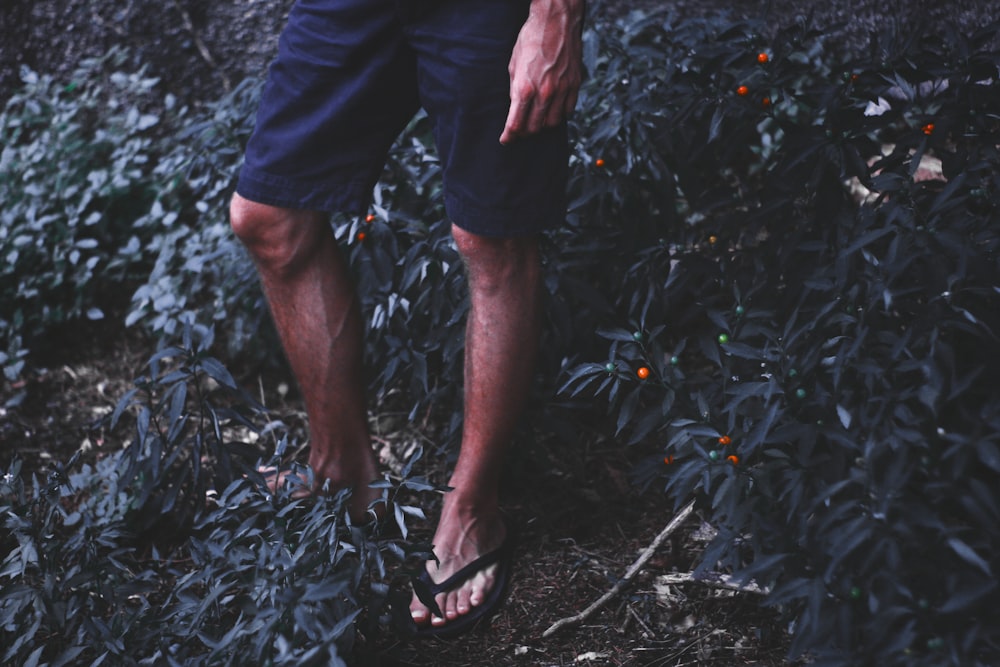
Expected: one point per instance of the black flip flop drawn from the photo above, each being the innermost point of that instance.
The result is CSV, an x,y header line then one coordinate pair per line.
x,y
502,556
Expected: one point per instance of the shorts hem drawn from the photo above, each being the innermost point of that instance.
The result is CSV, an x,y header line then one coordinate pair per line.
x,y
351,198
504,223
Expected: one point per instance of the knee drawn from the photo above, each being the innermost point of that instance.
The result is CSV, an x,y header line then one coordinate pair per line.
x,y
494,263
276,238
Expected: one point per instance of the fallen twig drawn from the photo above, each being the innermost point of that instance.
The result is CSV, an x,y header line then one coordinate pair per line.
x,y
714,580
627,577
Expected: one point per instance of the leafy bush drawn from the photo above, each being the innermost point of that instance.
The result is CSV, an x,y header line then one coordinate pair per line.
x,y
817,370
74,175
109,187
130,562
199,269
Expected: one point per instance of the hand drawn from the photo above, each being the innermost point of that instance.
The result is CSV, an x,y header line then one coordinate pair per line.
x,y
545,68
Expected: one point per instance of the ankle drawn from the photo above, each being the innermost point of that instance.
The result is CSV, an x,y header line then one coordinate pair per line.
x,y
473,504
344,472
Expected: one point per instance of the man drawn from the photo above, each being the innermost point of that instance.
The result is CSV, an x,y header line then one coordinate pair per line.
x,y
498,79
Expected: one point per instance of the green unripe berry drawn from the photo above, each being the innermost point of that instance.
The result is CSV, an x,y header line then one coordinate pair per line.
x,y
610,368
740,310
855,593
674,360
723,338
714,455
801,393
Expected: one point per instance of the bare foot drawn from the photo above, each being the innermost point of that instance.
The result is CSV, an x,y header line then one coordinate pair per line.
x,y
463,535
302,484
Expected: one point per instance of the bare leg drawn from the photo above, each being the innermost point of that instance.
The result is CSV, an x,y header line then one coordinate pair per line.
x,y
500,348
315,309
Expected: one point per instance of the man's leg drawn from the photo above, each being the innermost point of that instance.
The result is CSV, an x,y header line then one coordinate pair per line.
x,y
500,349
316,312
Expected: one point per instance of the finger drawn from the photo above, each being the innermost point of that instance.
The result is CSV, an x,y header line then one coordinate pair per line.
x,y
539,115
556,113
515,125
571,101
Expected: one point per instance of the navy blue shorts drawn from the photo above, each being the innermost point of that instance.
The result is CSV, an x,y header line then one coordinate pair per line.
x,y
349,76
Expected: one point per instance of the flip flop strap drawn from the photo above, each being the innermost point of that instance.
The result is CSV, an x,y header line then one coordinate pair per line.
x,y
464,574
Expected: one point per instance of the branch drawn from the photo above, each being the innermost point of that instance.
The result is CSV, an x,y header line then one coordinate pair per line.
x,y
628,576
714,580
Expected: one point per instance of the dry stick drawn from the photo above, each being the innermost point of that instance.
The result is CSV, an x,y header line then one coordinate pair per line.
x,y
714,580
628,576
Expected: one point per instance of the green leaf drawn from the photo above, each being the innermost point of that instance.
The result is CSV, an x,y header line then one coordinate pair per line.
x,y
969,555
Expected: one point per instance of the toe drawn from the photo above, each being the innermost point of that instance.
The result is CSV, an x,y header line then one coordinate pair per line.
x,y
463,601
481,585
442,602
450,607
420,614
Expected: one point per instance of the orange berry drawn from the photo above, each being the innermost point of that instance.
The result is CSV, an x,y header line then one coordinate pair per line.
x,y
361,236
643,373
762,57
742,90
928,129
370,217
766,102
599,162
713,239
725,440
732,458
667,460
